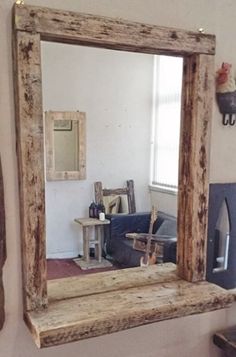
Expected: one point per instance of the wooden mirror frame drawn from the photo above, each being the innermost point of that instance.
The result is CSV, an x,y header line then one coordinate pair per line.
x,y
31,25
51,173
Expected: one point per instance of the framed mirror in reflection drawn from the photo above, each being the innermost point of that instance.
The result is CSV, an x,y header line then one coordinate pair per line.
x,y
65,145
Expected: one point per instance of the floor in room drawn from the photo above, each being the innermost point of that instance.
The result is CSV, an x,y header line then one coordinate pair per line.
x,y
64,268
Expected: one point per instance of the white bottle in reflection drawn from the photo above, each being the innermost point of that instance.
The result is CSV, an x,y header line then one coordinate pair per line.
x,y
102,216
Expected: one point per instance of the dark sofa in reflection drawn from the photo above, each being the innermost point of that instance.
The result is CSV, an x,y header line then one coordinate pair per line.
x,y
120,249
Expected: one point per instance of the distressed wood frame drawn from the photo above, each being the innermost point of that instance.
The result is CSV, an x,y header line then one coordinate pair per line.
x,y
51,173
32,24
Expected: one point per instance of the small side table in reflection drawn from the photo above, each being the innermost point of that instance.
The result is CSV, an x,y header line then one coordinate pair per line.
x,y
88,224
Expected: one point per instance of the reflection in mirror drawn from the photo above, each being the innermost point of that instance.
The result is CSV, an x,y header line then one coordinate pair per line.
x,y
221,239
118,92
65,145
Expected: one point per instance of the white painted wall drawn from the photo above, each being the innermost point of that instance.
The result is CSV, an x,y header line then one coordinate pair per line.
x,y
190,336
165,201
114,88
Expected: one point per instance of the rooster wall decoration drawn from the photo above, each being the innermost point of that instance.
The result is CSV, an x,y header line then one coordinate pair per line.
x,y
226,93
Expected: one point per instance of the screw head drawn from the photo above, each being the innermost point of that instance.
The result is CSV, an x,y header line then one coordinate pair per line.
x,y
201,30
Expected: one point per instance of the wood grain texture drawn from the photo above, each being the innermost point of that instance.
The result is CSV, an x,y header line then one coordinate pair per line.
x,y
98,192
70,27
60,289
51,173
29,131
3,253
194,167
79,318
131,196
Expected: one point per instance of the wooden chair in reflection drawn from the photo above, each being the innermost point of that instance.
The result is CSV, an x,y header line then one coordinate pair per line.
x,y
117,200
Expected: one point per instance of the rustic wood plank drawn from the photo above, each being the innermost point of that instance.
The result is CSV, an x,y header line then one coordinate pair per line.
x,y
98,192
91,222
51,173
29,131
3,252
194,166
131,196
114,191
78,318
110,281
82,145
66,26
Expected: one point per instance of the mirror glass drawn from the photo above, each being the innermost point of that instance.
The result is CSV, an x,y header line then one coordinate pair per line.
x,y
116,90
66,145
221,239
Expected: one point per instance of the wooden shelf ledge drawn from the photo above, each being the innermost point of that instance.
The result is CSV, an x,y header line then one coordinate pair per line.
x,y
122,279
87,316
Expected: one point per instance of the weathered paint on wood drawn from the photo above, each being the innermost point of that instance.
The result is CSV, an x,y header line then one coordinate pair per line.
x,y
79,318
60,289
51,172
69,27
194,166
2,247
29,130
